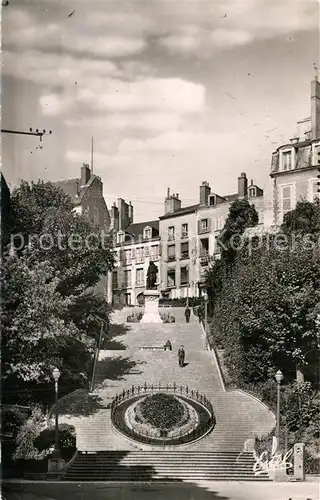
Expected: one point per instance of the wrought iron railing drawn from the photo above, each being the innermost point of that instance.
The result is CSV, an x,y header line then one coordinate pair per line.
x,y
206,424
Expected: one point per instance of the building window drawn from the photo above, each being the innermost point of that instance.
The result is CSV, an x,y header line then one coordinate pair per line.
x,y
115,280
184,276
203,226
316,154
286,160
120,237
127,299
212,200
127,258
184,250
184,231
127,278
139,277
147,233
171,252
286,199
171,233
252,192
314,190
171,278
204,251
140,255
154,252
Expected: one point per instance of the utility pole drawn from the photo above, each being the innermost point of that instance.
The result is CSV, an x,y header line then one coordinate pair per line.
x,y
36,132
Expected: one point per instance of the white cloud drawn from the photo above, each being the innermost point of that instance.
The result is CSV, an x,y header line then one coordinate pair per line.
x,y
88,33
164,94
151,121
55,69
53,105
224,37
228,24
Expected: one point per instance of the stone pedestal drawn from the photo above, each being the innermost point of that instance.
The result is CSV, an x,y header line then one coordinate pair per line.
x,y
56,465
151,307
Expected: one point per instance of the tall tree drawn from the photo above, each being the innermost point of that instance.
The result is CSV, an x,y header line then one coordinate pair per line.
x,y
303,220
267,311
241,216
50,313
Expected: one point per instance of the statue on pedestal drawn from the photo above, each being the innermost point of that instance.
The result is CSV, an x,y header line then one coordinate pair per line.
x,y
152,276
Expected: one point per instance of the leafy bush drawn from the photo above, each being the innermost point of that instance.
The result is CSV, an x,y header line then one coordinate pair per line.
x,y
46,439
135,317
182,302
26,436
300,421
163,411
167,318
288,439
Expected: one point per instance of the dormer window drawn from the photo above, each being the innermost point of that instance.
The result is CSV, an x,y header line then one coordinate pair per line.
x,y
147,233
120,237
252,192
212,200
286,160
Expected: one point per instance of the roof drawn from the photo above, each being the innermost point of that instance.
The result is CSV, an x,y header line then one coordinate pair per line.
x,y
231,197
136,229
73,188
182,211
299,144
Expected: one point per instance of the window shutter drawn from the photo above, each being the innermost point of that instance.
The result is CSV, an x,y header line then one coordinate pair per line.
x,y
133,253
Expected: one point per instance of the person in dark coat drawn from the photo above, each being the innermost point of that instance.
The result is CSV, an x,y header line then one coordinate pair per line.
x,y
187,314
168,345
181,356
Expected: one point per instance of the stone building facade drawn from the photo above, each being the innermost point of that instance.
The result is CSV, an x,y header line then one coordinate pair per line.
x,y
189,236
136,245
86,193
179,242
294,165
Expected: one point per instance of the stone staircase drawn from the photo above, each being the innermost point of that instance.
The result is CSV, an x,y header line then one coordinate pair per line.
x,y
163,466
105,454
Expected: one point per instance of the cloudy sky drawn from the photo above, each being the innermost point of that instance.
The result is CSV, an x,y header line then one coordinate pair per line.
x,y
173,93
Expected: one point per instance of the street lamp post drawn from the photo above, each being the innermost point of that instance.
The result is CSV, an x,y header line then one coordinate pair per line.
x,y
278,378
56,376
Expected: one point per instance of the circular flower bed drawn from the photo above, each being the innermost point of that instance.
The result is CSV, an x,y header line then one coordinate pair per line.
x,y
162,418
162,411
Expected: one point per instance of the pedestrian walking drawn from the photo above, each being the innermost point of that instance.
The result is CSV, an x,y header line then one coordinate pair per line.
x,y
181,356
200,315
187,314
168,345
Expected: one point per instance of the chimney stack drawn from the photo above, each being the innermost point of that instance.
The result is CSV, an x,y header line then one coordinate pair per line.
x,y
205,191
315,109
85,174
115,217
130,213
172,203
242,185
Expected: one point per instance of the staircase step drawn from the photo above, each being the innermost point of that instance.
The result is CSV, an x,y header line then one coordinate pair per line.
x,y
165,465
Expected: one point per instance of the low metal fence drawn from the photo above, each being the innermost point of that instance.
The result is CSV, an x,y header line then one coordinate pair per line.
x,y
206,423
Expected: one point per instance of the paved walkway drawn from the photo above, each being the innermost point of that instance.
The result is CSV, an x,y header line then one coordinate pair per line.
x,y
238,415
183,491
